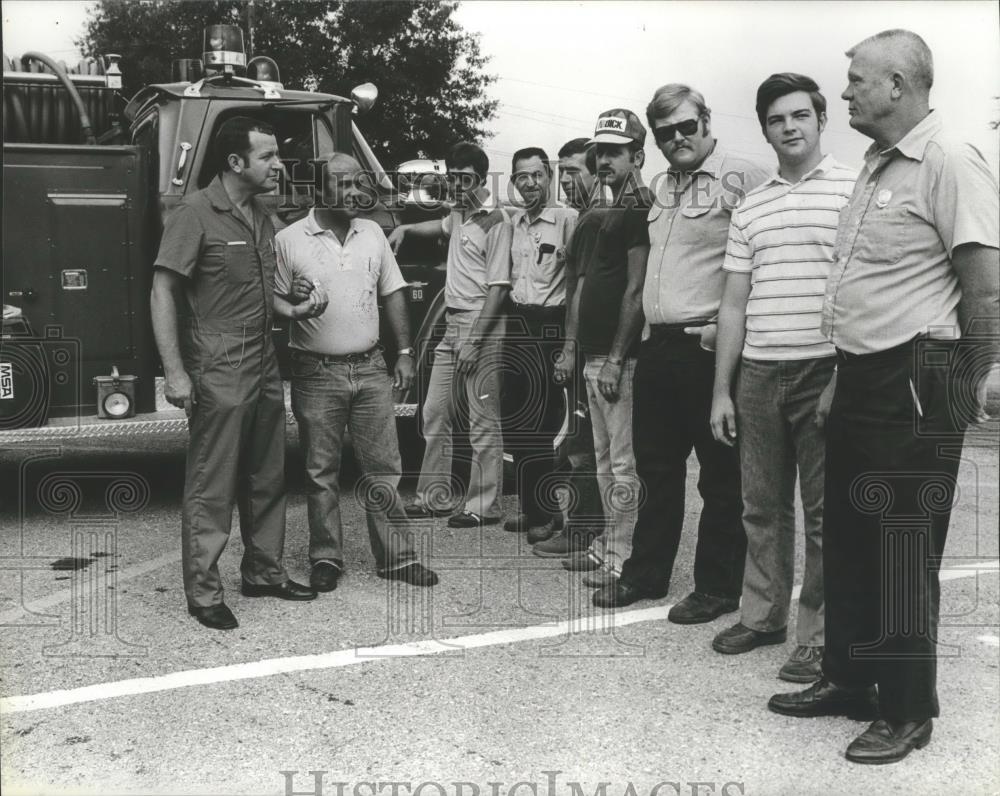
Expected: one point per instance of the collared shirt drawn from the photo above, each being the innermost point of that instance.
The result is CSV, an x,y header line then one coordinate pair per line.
x,y
228,265
912,206
688,230
351,273
538,270
478,255
783,236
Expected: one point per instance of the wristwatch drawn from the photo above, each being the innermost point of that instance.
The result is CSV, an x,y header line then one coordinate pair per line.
x,y
408,352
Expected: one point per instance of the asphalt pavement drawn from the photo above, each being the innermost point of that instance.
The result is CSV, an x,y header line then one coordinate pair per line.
x,y
500,681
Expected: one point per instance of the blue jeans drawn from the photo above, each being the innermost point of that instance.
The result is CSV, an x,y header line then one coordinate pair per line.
x,y
776,420
329,396
480,391
616,477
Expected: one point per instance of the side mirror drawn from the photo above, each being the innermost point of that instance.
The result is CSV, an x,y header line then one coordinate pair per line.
x,y
364,97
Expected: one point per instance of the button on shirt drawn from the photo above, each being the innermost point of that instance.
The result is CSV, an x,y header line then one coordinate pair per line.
x,y
688,230
229,265
539,276
783,236
353,274
912,206
478,256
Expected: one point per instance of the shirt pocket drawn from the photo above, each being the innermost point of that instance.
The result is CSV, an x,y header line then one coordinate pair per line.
x,y
882,236
694,222
241,263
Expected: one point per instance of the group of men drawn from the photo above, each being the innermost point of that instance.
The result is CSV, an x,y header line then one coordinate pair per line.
x,y
808,323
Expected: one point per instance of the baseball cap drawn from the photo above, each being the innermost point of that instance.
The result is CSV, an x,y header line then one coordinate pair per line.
x,y
619,126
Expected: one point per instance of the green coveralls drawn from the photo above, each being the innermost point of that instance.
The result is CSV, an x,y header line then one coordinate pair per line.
x,y
236,451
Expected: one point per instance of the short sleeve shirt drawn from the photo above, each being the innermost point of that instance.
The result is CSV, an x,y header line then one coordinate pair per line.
x,y
538,271
354,274
622,227
913,205
227,264
782,236
478,256
688,230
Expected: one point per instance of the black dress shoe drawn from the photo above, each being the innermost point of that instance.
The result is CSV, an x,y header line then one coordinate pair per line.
x,y
416,511
217,617
739,638
826,699
624,593
324,576
699,607
289,590
889,742
415,574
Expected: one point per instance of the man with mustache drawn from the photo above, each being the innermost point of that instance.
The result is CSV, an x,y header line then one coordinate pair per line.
x,y
688,229
609,323
339,379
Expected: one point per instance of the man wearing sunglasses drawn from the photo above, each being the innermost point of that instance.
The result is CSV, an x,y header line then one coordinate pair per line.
x,y
535,332
688,229
468,358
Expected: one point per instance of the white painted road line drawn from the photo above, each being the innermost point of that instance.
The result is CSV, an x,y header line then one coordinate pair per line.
x,y
350,657
989,641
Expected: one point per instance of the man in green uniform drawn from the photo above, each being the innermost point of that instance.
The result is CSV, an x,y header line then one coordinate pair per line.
x,y
212,309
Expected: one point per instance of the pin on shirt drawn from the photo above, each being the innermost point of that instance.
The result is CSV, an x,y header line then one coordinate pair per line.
x,y
883,198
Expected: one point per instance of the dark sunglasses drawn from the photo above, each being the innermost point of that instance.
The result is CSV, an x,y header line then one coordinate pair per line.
x,y
666,133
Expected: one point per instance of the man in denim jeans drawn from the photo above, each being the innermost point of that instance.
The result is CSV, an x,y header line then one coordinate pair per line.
x,y
608,322
778,257
339,377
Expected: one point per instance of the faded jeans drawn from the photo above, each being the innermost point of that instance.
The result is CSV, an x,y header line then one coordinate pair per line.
x,y
776,418
329,396
616,477
446,394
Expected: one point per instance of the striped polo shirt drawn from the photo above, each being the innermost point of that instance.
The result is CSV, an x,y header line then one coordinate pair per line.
x,y
783,236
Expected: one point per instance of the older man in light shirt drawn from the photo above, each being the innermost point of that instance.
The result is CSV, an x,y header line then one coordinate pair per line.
x,y
339,377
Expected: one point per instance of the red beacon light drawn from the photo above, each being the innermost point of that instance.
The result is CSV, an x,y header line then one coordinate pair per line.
x,y
223,50
265,71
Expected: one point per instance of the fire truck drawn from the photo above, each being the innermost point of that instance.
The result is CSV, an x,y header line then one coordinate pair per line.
x,y
88,180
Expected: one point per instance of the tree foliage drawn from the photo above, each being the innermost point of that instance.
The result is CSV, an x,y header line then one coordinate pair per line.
x,y
429,71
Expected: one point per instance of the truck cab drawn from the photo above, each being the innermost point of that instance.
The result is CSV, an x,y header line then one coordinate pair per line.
x,y
88,185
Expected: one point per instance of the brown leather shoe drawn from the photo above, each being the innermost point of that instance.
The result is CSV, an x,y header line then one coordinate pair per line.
x,y
889,742
539,533
804,665
739,638
824,698
698,608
